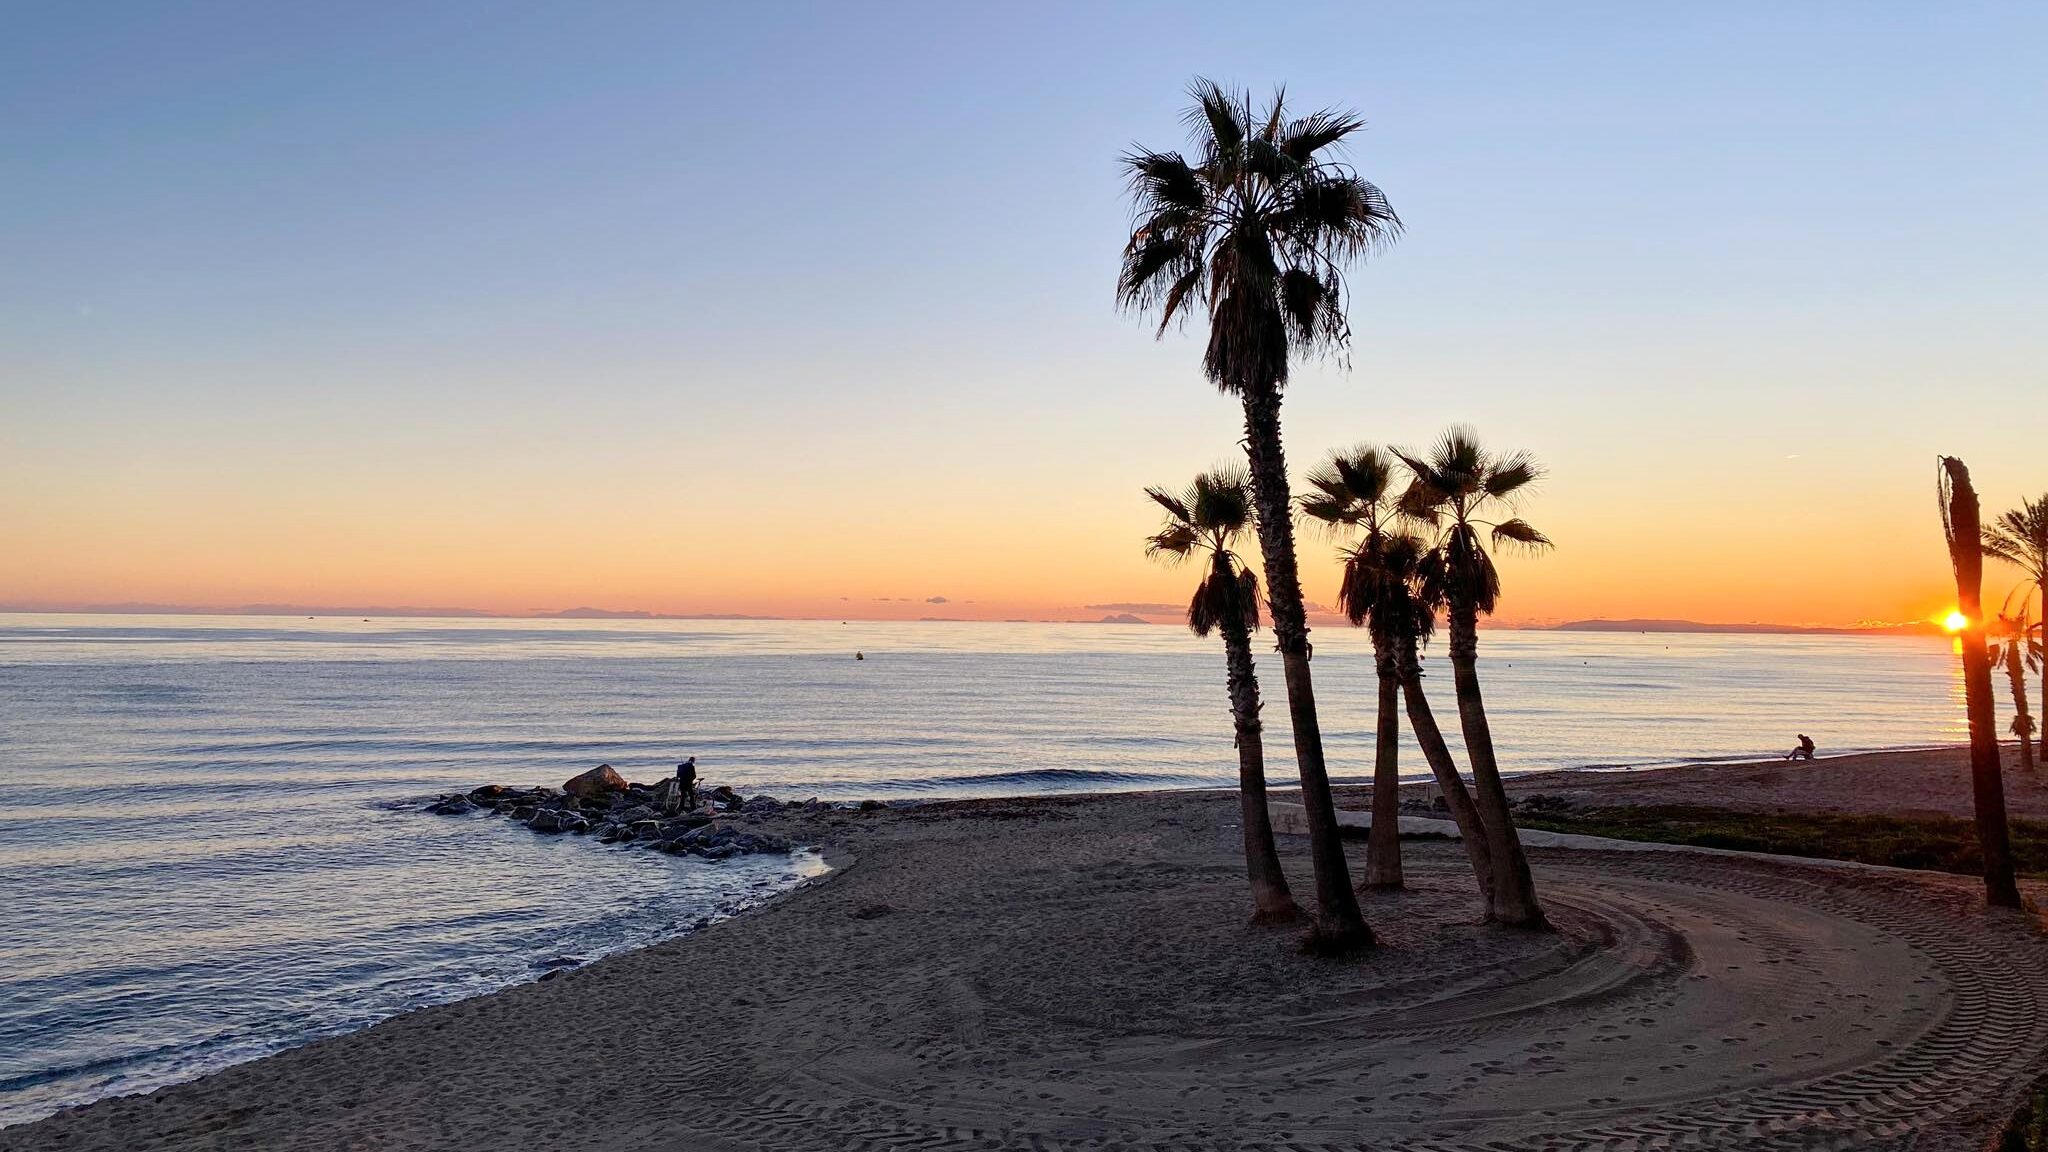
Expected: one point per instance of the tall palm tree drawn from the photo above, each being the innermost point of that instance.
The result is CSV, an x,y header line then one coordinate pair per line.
x,y
1257,229
1355,490
1401,608
1208,519
1960,523
2017,653
1456,483
2019,536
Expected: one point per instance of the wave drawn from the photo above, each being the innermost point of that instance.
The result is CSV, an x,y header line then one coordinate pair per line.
x,y
1022,780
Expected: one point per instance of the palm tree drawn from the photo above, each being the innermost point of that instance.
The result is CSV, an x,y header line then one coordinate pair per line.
x,y
1208,519
1959,521
2020,537
1355,490
1257,230
1402,613
1457,482
2018,653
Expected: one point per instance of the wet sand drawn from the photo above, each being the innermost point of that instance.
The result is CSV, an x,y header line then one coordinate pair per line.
x,y
1076,973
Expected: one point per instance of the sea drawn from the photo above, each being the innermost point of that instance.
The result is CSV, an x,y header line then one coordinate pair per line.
x,y
212,845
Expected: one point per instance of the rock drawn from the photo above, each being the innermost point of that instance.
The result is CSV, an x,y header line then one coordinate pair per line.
x,y
613,833
636,813
524,813
762,804
646,829
724,794
451,806
871,805
546,820
597,783
491,793
720,851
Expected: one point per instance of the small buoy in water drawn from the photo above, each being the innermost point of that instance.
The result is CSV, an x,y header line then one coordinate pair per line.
x,y
858,656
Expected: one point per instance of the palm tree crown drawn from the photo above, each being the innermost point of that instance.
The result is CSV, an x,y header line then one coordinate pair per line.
x,y
1457,482
1257,229
1356,488
1209,517
2019,536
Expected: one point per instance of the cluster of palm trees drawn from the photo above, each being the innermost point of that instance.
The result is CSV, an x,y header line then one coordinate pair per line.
x,y
1255,228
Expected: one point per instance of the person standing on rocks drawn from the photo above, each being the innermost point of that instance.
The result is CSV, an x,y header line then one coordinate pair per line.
x,y
686,776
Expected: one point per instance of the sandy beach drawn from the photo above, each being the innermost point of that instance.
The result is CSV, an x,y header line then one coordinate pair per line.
x,y
1933,782
1076,973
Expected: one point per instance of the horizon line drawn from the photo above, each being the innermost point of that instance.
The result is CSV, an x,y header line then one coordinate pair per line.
x,y
586,612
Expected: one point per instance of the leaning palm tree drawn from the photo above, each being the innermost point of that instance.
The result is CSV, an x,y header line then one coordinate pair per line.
x,y
1960,523
2017,653
2019,536
1207,520
1456,483
1257,229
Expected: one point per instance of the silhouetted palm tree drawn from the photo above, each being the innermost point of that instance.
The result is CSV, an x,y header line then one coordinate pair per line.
x,y
2020,537
1257,229
1960,522
1355,490
1456,482
2017,653
1207,519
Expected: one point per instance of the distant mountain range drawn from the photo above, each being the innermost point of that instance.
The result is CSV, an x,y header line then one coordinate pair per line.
x,y
1914,628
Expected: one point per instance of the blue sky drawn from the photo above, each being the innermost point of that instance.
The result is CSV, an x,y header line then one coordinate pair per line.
x,y
448,276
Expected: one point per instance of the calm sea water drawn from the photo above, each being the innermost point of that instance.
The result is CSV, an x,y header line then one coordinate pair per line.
x,y
209,848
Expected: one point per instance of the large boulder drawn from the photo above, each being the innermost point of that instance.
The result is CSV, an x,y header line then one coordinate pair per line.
x,y
598,783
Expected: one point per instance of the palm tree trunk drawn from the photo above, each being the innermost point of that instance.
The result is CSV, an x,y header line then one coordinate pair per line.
x,y
1272,903
1383,847
1987,779
2043,586
1471,829
2016,675
1339,925
1514,889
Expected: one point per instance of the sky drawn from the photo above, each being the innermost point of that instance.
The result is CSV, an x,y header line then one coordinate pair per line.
x,y
788,309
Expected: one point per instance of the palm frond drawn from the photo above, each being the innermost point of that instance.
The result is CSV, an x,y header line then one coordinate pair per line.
x,y
1222,501
1164,180
1172,544
1505,477
1520,532
1174,505
1317,131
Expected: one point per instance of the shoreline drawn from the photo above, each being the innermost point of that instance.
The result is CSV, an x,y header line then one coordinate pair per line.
x,y
969,955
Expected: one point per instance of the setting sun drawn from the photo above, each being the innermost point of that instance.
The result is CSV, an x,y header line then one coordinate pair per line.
x,y
1955,621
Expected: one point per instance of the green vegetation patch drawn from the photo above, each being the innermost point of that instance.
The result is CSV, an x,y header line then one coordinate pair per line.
x,y
1939,844
2028,1129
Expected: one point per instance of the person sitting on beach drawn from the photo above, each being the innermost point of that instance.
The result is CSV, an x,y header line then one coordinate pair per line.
x,y
686,775
1804,751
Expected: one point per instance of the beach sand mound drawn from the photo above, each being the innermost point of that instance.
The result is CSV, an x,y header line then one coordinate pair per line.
x,y
1077,974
